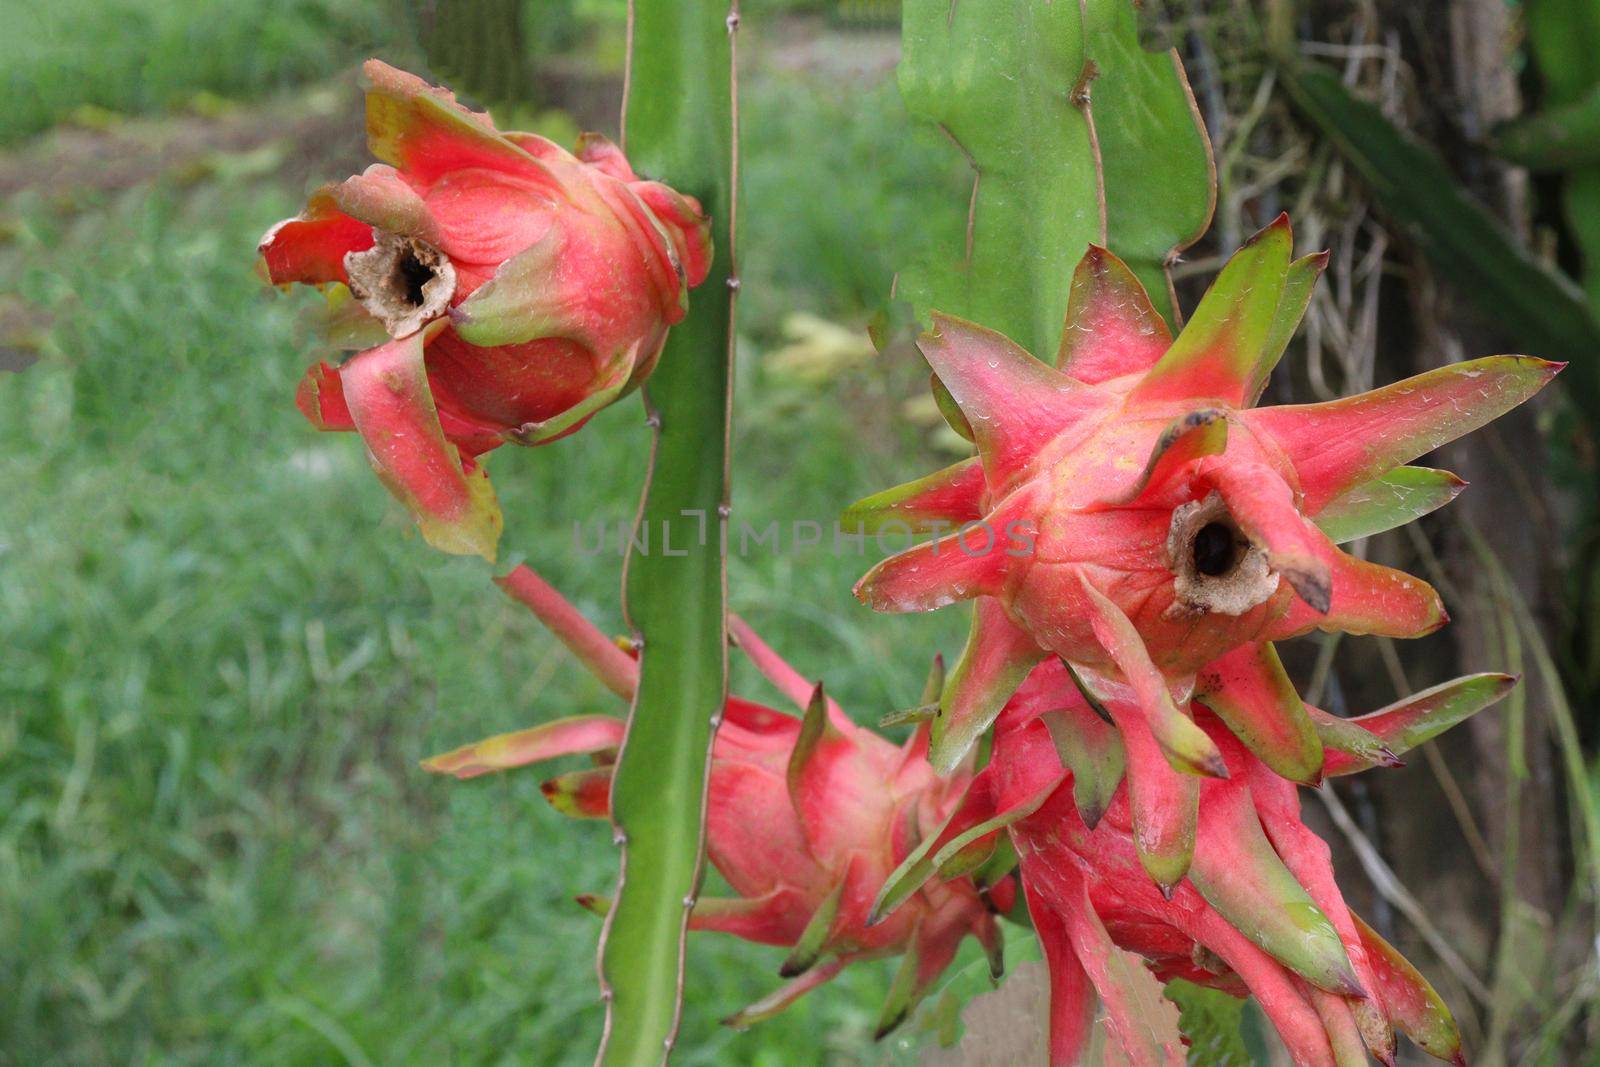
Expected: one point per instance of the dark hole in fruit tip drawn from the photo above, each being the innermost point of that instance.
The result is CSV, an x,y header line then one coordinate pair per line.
x,y
1214,550
413,276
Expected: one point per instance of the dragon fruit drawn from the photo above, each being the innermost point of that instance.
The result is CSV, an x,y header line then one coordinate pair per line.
x,y
1131,513
842,846
500,289
1258,914
805,819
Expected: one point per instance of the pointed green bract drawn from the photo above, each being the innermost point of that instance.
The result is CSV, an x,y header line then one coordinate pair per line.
x,y
815,731
1386,502
1092,750
1407,723
997,657
1410,1002
1239,874
933,853
904,991
1298,284
814,938
1340,444
1249,690
1111,327
1001,862
949,862
1346,741
1222,352
912,874
973,852
941,501
1184,440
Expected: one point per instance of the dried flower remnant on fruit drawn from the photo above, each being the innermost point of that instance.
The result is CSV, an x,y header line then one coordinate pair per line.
x,y
401,281
1215,567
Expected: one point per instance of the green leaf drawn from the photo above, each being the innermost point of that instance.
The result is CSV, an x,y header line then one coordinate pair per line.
x,y
678,129
1015,85
1561,138
1466,245
1564,36
1211,1020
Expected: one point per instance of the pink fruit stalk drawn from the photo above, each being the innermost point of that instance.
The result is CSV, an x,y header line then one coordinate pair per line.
x,y
806,817
1130,511
500,289
1258,913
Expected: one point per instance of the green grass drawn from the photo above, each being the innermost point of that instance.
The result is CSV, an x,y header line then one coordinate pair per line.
x,y
143,55
225,649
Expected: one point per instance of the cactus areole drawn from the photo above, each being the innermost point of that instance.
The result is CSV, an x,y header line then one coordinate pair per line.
x,y
1168,521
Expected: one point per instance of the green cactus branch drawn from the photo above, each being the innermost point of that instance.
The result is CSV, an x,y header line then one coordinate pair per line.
x,y
679,126
1074,133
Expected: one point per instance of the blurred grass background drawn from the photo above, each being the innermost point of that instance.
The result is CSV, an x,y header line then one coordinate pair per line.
x,y
224,648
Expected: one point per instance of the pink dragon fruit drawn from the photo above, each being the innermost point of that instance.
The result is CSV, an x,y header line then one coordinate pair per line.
x,y
805,819
502,289
1132,514
1258,914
